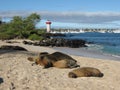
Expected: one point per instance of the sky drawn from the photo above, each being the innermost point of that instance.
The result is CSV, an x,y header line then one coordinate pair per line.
x,y
66,13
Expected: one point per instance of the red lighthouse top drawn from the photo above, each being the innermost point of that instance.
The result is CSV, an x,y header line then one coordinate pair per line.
x,y
48,22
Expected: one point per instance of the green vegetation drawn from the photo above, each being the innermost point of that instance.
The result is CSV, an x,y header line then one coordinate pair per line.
x,y
20,28
35,37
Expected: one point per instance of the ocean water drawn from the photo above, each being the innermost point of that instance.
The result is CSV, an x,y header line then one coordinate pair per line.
x,y
104,42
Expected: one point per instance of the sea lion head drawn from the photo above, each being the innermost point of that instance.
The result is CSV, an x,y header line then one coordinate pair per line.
x,y
72,75
37,61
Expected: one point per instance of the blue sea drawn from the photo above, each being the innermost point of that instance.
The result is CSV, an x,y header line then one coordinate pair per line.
x,y
105,42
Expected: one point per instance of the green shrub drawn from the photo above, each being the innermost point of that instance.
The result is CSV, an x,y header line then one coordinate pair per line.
x,y
4,36
35,37
41,31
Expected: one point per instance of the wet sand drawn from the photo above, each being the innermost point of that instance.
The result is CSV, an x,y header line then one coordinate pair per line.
x,y
85,52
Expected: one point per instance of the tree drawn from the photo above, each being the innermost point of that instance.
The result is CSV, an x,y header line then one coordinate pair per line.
x,y
21,27
34,18
17,23
31,21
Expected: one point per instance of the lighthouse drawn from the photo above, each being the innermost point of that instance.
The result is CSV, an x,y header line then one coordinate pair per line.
x,y
48,24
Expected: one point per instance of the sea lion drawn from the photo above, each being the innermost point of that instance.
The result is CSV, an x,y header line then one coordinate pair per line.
x,y
56,59
85,72
49,61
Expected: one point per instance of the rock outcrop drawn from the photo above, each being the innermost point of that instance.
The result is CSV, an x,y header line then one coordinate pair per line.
x,y
59,42
10,47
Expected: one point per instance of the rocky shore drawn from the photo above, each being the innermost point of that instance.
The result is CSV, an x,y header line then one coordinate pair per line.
x,y
58,42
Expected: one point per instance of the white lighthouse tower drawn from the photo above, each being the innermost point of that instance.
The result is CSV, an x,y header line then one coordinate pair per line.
x,y
48,24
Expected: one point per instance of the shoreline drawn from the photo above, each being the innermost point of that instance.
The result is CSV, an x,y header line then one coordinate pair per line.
x,y
82,52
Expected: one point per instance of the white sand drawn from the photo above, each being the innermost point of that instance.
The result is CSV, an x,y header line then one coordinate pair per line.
x,y
18,73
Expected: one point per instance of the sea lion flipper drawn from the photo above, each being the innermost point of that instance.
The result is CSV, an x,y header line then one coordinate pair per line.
x,y
101,75
77,65
49,64
30,59
33,64
72,64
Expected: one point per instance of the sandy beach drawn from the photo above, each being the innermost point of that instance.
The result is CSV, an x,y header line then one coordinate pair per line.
x,y
18,73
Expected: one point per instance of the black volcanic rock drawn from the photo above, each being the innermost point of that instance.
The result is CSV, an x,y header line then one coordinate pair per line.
x,y
59,42
49,35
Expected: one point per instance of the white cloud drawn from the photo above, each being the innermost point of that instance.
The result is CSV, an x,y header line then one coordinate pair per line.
x,y
74,17
82,17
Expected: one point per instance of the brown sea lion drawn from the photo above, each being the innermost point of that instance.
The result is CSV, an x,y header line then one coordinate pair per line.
x,y
85,72
56,59
49,62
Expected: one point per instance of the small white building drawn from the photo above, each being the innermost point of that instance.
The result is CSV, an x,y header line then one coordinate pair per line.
x,y
48,24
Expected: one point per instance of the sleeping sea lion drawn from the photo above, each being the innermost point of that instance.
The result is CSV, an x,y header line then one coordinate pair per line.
x,y
56,59
85,72
50,61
